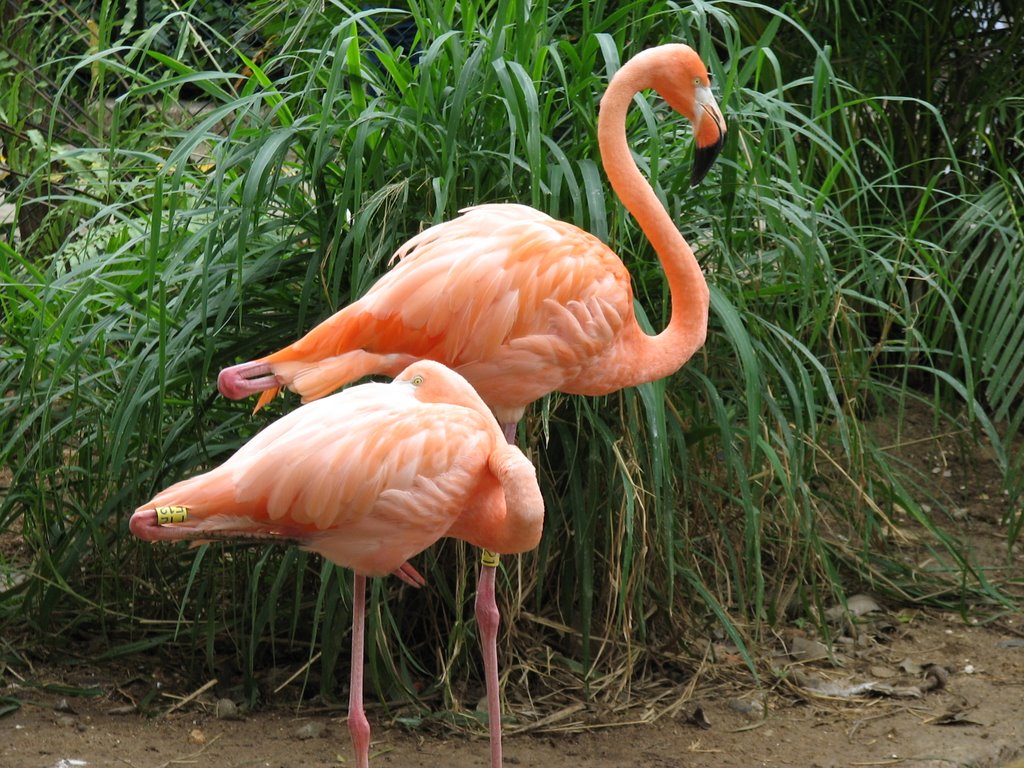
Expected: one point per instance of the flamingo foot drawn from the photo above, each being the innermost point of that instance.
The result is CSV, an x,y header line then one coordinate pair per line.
x,y
487,619
149,525
169,524
409,575
240,381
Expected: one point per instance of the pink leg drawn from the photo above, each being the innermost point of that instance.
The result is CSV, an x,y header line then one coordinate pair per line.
x,y
488,619
358,725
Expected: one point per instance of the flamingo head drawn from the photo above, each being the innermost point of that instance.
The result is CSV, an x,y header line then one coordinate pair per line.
x,y
682,79
432,382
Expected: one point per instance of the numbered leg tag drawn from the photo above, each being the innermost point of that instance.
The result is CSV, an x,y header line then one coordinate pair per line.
x,y
166,515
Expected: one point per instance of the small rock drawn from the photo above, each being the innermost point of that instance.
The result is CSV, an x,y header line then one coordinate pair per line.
x,y
62,705
314,729
196,736
860,605
65,721
226,709
748,707
935,677
911,667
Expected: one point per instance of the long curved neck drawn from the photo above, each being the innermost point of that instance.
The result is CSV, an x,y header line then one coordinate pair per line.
x,y
507,516
661,355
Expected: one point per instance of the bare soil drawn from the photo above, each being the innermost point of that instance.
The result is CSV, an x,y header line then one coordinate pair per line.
x,y
973,717
899,686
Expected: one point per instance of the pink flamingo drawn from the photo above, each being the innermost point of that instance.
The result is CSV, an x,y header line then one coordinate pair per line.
x,y
522,304
368,478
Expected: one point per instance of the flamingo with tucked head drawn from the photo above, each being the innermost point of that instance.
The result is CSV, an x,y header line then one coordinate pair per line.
x,y
368,478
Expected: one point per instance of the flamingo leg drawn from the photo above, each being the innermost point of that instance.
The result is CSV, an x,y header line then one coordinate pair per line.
x,y
487,619
358,725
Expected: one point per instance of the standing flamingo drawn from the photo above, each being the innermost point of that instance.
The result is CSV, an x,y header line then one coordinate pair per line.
x,y
522,304
368,478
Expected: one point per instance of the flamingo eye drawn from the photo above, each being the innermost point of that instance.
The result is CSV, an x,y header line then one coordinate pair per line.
x,y
697,83
416,380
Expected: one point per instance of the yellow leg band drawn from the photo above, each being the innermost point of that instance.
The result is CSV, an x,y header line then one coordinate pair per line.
x,y
490,559
166,515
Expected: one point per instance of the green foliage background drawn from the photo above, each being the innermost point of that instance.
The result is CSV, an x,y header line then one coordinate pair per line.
x,y
190,191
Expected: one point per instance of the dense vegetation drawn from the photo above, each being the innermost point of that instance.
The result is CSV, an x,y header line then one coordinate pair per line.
x,y
191,191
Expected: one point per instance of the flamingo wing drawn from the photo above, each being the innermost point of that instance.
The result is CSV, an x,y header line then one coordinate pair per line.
x,y
499,290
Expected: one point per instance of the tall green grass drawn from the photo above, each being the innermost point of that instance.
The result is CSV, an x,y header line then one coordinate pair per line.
x,y
232,195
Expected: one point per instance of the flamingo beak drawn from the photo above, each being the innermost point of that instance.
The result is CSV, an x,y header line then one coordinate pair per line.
x,y
709,131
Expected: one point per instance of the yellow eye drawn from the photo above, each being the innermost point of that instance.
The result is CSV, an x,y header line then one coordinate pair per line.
x,y
417,380
697,83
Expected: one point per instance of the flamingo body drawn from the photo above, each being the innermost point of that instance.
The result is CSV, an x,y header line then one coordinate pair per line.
x,y
519,303
368,477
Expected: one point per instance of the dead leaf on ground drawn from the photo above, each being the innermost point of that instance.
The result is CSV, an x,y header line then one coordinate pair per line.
x,y
897,691
850,689
953,717
698,718
822,686
803,649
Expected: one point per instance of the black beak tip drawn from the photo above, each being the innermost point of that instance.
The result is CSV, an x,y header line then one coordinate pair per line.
x,y
703,159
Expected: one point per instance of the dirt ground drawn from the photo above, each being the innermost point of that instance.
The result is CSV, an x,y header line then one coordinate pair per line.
x,y
973,717
901,687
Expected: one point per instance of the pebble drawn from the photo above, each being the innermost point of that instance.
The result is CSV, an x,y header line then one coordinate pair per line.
x,y
748,707
226,709
62,705
314,729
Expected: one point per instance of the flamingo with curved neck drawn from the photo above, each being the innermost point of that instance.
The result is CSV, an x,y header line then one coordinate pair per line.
x,y
519,303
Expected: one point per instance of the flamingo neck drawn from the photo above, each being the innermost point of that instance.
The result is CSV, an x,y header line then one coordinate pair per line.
x,y
507,513
653,356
